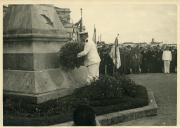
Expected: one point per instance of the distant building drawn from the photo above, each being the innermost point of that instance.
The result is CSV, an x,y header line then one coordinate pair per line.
x,y
142,44
64,17
155,43
171,45
129,44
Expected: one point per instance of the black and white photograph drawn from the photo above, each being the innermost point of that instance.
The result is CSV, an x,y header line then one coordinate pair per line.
x,y
90,63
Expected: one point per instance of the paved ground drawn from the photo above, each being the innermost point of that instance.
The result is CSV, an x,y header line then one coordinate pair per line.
x,y
164,87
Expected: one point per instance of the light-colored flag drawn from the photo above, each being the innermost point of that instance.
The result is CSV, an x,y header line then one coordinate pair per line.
x,y
74,35
115,54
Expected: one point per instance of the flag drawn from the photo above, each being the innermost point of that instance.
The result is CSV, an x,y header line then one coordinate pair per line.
x,y
78,23
115,54
74,35
81,26
94,35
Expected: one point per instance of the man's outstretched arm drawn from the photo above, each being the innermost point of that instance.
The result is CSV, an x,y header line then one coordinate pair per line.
x,y
85,51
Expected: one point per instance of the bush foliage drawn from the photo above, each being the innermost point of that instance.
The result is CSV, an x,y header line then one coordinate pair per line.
x,y
68,55
108,87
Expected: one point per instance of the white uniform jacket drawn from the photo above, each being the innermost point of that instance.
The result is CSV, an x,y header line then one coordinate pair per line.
x,y
167,55
92,56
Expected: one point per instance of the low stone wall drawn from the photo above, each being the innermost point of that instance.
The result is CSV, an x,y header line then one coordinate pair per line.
x,y
126,115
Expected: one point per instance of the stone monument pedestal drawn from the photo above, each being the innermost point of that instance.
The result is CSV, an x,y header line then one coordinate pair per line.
x,y
32,37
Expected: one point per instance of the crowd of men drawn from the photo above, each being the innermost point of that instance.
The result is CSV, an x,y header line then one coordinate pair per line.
x,y
137,59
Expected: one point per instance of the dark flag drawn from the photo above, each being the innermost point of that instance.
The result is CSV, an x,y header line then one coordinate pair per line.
x,y
78,23
94,35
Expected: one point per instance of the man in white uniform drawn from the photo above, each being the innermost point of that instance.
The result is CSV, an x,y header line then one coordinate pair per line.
x,y
167,58
92,59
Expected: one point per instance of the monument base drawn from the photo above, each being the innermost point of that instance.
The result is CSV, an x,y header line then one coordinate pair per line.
x,y
39,98
40,86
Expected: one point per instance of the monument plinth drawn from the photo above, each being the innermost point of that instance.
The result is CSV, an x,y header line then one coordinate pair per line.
x,y
32,36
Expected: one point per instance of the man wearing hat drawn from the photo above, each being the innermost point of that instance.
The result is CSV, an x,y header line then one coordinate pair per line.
x,y
92,59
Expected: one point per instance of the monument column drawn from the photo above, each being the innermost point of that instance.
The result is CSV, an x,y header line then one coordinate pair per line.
x,y
32,36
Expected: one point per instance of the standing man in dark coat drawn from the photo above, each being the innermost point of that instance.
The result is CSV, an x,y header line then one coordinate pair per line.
x,y
174,60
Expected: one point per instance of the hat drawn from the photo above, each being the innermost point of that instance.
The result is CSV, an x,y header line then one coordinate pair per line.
x,y
83,33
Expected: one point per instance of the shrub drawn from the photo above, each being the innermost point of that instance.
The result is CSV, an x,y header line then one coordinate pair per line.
x,y
129,86
106,87
68,55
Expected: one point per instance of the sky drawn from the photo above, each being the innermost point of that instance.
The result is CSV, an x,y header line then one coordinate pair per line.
x,y
133,22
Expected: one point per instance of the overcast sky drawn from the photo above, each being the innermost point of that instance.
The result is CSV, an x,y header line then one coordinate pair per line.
x,y
134,23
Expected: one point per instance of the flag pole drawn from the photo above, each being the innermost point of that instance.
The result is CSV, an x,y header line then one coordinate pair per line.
x,y
95,34
81,21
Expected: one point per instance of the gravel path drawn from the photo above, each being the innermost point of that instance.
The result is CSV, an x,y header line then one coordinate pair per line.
x,y
164,87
